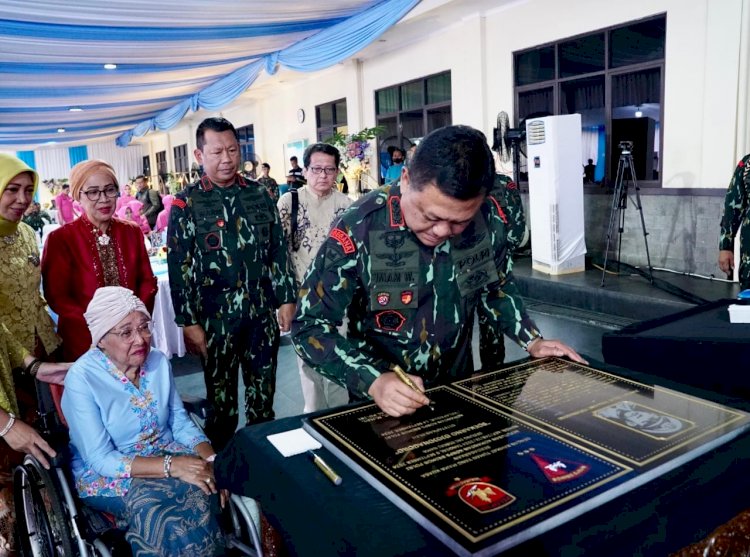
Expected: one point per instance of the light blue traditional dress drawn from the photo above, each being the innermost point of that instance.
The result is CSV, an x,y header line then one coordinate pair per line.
x,y
111,422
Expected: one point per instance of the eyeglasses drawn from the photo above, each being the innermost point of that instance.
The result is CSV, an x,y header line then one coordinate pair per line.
x,y
94,195
327,170
129,335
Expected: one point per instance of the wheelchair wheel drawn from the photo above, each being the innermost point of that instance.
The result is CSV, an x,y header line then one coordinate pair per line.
x,y
41,518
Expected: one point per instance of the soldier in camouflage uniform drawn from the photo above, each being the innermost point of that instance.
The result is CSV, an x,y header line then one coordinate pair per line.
x,y
491,340
36,218
412,263
228,272
736,213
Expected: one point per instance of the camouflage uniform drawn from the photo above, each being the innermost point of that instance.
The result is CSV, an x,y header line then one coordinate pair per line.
x,y
409,304
37,220
270,185
736,213
228,271
491,340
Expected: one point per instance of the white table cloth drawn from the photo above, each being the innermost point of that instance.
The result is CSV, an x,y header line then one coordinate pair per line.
x,y
167,336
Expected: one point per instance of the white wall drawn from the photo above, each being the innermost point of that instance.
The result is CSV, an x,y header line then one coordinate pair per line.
x,y
701,71
702,80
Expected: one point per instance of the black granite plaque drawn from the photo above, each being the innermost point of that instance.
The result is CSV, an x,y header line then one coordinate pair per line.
x,y
641,424
508,455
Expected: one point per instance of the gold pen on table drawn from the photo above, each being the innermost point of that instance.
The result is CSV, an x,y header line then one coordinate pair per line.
x,y
406,380
327,470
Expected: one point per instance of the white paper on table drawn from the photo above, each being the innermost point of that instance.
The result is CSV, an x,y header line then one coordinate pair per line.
x,y
294,441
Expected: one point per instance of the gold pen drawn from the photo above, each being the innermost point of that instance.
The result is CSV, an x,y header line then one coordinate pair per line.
x,y
327,470
406,380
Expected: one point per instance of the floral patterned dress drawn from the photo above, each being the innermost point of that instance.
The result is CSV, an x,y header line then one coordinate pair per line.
x,y
22,308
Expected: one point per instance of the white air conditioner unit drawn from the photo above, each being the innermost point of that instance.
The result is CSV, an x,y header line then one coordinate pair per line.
x,y
556,194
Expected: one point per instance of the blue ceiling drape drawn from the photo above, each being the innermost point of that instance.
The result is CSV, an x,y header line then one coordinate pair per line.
x,y
319,51
173,56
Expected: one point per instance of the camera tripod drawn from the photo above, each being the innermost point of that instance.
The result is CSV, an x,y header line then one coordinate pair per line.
x,y
620,203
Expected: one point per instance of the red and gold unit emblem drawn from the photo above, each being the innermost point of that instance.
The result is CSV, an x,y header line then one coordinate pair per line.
x,y
558,470
384,298
406,297
480,494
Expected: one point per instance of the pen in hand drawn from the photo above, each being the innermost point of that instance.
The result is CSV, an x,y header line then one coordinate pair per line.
x,y
327,470
402,375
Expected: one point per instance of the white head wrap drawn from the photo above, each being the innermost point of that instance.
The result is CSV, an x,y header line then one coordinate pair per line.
x,y
109,306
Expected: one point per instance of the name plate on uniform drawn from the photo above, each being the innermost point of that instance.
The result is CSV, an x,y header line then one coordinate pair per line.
x,y
508,455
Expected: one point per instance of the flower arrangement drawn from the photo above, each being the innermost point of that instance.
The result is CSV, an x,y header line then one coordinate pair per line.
x,y
355,153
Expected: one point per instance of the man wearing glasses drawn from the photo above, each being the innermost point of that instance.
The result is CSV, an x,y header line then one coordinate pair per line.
x,y
228,273
306,216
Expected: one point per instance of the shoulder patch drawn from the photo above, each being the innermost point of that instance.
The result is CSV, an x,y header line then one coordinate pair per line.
x,y
344,240
177,202
394,208
499,209
206,183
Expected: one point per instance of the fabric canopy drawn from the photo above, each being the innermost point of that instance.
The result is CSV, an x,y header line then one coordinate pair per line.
x,y
172,56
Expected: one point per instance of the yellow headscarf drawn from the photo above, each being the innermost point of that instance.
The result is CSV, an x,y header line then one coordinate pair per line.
x,y
10,167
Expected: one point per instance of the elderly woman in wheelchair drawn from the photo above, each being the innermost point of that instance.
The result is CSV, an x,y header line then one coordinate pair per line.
x,y
135,452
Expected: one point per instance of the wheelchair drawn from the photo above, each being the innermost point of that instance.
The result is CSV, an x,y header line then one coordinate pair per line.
x,y
51,521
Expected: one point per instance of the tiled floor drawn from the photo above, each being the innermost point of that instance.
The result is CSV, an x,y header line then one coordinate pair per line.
x,y
583,336
288,399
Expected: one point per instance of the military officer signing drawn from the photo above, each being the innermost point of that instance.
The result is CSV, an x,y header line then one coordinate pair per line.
x,y
411,264
228,273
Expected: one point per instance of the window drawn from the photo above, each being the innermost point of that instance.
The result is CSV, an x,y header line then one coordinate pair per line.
x,y
330,119
613,78
147,166
247,144
409,111
161,165
181,165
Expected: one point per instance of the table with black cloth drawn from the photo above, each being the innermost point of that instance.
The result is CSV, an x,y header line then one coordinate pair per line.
x,y
698,346
319,519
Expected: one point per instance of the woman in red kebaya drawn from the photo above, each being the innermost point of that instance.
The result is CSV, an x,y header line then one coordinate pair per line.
x,y
93,251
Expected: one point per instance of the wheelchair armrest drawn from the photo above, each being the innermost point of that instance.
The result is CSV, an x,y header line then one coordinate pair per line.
x,y
197,406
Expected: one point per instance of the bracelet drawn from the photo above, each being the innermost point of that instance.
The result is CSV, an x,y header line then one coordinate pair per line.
x,y
28,368
8,424
168,466
35,368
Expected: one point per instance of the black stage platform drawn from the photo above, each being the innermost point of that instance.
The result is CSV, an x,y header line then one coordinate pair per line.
x,y
698,346
626,295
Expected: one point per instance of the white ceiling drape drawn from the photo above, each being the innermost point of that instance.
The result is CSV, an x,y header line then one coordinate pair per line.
x,y
172,56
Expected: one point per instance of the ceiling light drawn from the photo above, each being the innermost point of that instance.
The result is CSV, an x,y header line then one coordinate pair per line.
x,y
60,130
75,109
110,66
638,112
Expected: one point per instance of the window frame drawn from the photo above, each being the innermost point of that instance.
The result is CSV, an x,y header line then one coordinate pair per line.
x,y
246,135
181,163
608,73
424,107
339,121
